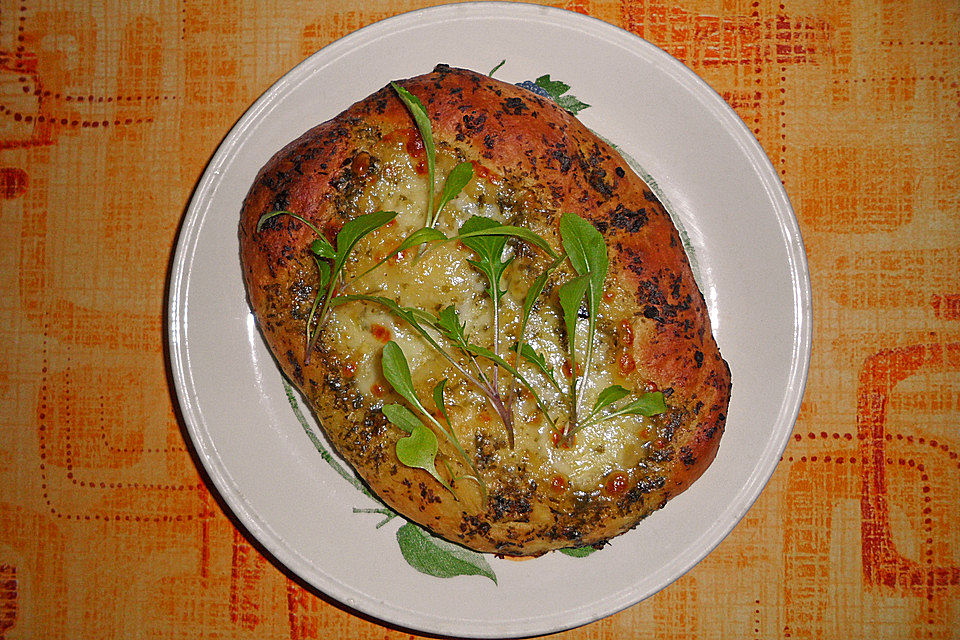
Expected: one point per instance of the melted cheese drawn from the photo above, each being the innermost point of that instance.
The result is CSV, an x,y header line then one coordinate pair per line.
x,y
442,276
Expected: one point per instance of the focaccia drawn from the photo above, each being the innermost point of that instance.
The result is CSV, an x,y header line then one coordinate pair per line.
x,y
534,487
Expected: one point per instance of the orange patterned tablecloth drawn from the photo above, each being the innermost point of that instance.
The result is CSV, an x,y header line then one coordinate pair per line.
x,y
109,113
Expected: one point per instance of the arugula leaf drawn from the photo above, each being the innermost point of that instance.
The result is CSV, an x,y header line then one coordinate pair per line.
x,y
353,230
438,399
397,372
497,229
534,292
347,238
648,404
413,317
489,248
456,180
587,252
529,300
556,90
322,248
421,236
273,214
608,396
436,557
324,272
419,113
571,295
401,416
418,237
538,360
448,322
419,451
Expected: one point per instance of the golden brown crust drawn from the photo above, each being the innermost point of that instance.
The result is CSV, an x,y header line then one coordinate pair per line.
x,y
539,150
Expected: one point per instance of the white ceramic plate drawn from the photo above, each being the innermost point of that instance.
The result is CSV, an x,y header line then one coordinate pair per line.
x,y
749,259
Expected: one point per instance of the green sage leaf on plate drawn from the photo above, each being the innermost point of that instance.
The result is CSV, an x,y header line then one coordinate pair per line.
x,y
578,552
558,91
436,557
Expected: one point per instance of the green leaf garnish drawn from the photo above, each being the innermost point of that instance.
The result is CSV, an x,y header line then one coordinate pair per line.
x,y
587,252
533,293
497,229
449,324
456,180
401,416
648,404
557,91
418,237
439,401
397,372
353,230
419,451
274,214
571,295
322,248
489,248
329,274
419,114
578,552
347,239
494,70
608,396
538,360
421,236
436,557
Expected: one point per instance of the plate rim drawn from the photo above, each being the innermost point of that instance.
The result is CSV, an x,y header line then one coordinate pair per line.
x,y
187,239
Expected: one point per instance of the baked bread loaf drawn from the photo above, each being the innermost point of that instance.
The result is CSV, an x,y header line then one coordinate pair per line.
x,y
540,470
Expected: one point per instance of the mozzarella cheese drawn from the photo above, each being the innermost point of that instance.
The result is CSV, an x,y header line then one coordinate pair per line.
x,y
433,279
